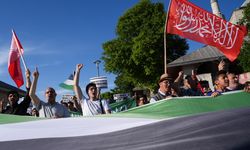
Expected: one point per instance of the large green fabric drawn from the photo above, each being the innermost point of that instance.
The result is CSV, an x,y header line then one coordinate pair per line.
x,y
14,118
187,106
170,108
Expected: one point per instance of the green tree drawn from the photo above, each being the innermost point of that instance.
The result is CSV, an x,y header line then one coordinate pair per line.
x,y
245,51
108,96
136,55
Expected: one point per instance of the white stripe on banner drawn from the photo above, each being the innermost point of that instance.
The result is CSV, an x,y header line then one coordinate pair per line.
x,y
69,82
68,127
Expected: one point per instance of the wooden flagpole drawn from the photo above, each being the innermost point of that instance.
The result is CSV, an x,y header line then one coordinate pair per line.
x,y
165,40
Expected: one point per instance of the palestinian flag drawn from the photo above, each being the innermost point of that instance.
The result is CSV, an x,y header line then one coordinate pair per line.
x,y
68,84
178,123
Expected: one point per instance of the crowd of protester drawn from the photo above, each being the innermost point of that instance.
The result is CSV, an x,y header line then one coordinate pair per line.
x,y
183,85
79,105
189,85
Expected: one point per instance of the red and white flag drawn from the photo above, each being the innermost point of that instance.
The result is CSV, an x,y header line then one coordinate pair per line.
x,y
16,50
192,22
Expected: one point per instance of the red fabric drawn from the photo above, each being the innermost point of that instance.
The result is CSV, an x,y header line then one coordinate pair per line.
x,y
190,21
14,67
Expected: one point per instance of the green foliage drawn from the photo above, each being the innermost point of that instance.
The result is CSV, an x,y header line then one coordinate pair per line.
x,y
107,95
124,83
245,51
136,55
244,57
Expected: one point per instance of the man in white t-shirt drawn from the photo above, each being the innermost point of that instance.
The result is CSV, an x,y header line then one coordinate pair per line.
x,y
92,105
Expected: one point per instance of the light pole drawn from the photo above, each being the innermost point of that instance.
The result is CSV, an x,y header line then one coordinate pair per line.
x,y
97,62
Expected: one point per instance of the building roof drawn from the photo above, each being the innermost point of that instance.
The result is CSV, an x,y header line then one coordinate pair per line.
x,y
204,54
6,88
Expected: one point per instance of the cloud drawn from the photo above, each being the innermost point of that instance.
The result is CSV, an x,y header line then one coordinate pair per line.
x,y
41,93
63,91
4,55
111,85
56,63
39,50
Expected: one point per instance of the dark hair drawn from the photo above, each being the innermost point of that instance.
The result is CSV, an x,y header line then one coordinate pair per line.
x,y
204,83
188,77
70,103
89,85
13,92
231,72
219,73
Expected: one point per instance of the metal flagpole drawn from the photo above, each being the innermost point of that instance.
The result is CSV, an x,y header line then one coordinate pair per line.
x,y
15,38
165,40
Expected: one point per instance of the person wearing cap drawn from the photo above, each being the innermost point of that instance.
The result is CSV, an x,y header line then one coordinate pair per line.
x,y
164,90
14,107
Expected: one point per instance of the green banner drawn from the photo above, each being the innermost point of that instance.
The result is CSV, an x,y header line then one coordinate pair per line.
x,y
122,105
183,106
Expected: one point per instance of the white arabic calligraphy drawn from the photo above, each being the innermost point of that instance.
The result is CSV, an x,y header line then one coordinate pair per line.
x,y
205,25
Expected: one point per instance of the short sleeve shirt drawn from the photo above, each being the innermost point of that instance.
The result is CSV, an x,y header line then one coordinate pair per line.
x,y
52,111
91,108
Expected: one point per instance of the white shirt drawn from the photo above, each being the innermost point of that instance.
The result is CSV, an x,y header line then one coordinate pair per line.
x,y
91,108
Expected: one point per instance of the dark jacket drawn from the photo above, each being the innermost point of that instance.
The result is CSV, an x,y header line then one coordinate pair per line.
x,y
19,109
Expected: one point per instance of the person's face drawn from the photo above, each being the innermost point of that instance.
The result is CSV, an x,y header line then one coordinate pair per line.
x,y
232,78
34,112
13,98
205,89
70,105
164,85
141,101
173,91
74,98
247,87
222,81
92,92
50,95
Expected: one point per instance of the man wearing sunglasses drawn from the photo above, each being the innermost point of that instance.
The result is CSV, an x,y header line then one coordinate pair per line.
x,y
164,90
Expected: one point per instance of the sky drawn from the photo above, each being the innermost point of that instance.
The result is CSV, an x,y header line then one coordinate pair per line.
x,y
58,34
